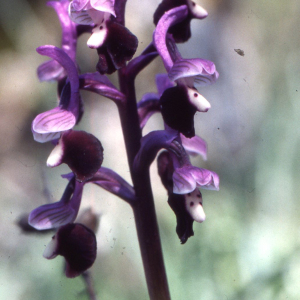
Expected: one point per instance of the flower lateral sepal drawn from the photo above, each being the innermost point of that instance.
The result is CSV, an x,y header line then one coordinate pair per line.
x,y
81,151
77,244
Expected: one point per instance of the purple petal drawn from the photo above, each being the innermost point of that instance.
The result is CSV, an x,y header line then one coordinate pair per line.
x,y
187,178
80,4
104,5
170,18
113,183
203,71
194,146
101,85
50,70
59,213
80,16
162,83
69,33
150,145
61,57
77,244
147,106
54,120
81,151
45,137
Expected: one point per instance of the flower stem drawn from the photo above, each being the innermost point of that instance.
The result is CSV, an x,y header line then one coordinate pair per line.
x,y
143,208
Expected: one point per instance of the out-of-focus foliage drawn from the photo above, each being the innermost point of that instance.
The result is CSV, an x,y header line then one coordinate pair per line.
x,y
249,246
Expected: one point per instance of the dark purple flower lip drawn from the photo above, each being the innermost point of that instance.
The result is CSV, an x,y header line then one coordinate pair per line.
x,y
77,244
81,151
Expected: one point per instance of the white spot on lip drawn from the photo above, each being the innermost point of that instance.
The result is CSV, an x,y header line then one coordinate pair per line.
x,y
193,204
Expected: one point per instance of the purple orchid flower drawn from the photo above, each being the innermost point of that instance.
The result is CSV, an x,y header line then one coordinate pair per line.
x,y
180,103
93,12
77,244
188,207
115,44
185,177
50,124
180,31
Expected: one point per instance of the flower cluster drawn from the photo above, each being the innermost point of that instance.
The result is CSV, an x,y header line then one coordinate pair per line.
x,y
177,100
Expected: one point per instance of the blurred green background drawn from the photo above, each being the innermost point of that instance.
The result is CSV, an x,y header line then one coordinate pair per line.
x,y
249,245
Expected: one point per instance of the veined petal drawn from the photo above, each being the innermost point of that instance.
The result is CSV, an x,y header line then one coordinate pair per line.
x,y
104,5
50,70
59,213
188,177
80,4
54,120
79,16
183,182
206,179
81,151
77,244
203,71
194,146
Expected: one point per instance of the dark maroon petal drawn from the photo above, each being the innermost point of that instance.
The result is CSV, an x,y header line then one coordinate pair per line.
x,y
105,64
121,44
81,151
177,112
184,228
78,245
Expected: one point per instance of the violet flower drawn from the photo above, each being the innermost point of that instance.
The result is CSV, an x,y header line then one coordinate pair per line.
x,y
115,44
50,124
185,176
188,207
180,103
180,31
